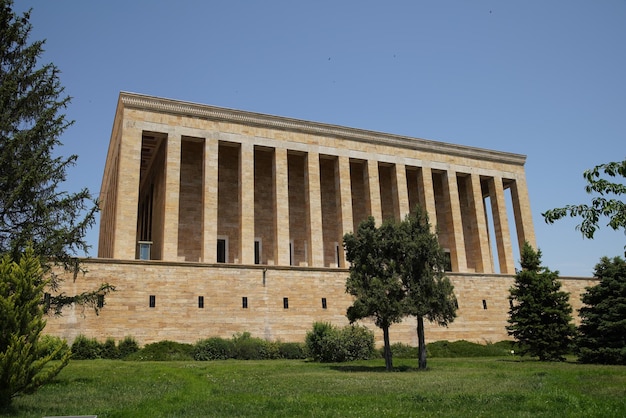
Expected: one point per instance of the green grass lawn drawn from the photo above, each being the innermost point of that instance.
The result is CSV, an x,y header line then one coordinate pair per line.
x,y
462,387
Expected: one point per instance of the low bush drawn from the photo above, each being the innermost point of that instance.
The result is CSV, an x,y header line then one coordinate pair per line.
x,y
327,343
163,351
400,350
127,346
464,348
109,350
292,351
84,348
246,347
214,348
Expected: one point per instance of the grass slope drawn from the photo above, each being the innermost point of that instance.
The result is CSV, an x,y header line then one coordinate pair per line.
x,y
459,387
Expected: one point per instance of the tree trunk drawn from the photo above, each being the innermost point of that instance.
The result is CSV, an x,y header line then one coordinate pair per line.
x,y
387,350
421,341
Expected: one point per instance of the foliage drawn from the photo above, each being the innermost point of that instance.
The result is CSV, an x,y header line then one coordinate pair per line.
x,y
292,351
540,318
127,346
24,359
429,293
462,387
374,279
110,350
607,203
214,348
33,211
326,343
84,348
163,351
246,347
52,345
602,336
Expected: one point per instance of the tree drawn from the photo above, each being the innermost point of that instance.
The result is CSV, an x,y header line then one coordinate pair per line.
x,y
23,362
34,213
602,331
374,278
598,182
540,317
430,293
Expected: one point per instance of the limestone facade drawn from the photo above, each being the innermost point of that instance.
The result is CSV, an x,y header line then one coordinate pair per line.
x,y
234,205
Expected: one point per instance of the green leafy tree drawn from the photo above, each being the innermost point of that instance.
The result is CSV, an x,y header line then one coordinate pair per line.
x,y
375,279
23,357
540,318
430,294
604,182
602,337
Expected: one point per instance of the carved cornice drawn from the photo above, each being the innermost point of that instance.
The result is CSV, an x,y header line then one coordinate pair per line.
x,y
194,110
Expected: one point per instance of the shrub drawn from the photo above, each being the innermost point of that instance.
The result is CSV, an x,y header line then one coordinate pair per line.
x,y
84,348
400,350
464,348
127,347
109,350
327,343
292,351
246,347
51,345
214,348
163,351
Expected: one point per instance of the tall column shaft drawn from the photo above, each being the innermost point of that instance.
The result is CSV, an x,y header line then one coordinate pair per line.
x,y
246,204
345,204
125,221
427,195
522,212
402,192
281,207
481,238
501,226
209,200
373,186
172,198
458,255
314,211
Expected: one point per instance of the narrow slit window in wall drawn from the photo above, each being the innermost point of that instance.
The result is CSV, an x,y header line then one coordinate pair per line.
x,y
324,305
257,250
286,303
152,301
511,303
244,302
484,304
100,301
46,302
201,302
222,250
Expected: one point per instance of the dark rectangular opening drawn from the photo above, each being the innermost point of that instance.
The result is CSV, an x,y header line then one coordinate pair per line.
x,y
324,306
257,252
152,301
286,303
244,302
221,250
46,302
100,301
484,304
201,302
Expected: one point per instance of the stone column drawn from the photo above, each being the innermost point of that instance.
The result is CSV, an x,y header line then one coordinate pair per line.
x,y
501,226
457,242
373,186
481,238
172,198
403,193
427,195
281,207
129,170
522,212
246,204
209,200
344,194
314,210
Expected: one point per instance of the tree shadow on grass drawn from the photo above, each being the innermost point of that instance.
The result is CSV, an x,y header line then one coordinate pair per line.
x,y
351,368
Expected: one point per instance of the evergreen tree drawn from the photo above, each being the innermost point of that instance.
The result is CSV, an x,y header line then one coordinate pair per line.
x,y
602,336
374,278
430,293
23,359
33,211
540,317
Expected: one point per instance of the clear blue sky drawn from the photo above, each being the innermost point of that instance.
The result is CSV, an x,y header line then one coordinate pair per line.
x,y
543,79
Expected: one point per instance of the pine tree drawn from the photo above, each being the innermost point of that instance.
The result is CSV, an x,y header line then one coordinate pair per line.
x,y
23,365
540,317
602,330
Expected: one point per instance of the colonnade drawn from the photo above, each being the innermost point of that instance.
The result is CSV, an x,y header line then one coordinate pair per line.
x,y
215,201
